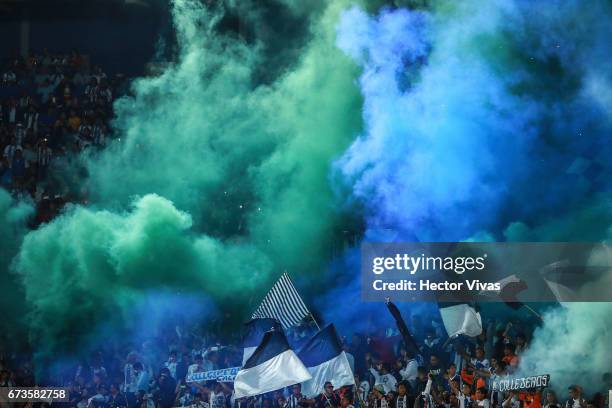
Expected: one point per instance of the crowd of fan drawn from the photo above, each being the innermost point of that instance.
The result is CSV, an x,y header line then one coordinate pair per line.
x,y
55,106
52,106
446,373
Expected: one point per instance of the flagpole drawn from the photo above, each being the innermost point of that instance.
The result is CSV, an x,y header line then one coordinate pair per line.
x,y
328,401
309,312
533,311
314,320
357,397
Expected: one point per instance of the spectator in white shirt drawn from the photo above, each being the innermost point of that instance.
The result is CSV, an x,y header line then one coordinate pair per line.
x,y
171,364
383,377
197,366
479,361
128,372
410,371
575,397
481,398
465,398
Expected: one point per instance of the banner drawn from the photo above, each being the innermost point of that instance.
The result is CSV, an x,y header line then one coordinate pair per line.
x,y
521,383
223,375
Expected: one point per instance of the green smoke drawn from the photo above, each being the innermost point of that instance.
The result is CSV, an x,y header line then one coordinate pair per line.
x,y
216,185
13,218
574,339
89,266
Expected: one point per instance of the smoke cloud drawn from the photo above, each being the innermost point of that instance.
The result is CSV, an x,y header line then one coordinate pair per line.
x,y
573,345
489,120
13,223
215,186
478,140
464,120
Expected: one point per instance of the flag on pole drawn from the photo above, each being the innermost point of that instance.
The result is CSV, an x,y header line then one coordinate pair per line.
x,y
283,303
272,366
562,293
460,318
510,287
326,361
255,331
557,276
411,345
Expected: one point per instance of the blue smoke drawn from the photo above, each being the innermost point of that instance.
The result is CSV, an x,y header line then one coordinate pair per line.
x,y
478,115
489,121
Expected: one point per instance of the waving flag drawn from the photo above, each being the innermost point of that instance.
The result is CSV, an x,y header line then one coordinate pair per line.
x,y
272,366
326,361
460,318
557,276
255,331
510,287
411,345
283,303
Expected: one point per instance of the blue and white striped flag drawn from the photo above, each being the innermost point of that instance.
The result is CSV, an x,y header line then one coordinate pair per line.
x,y
272,366
283,303
326,361
255,331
